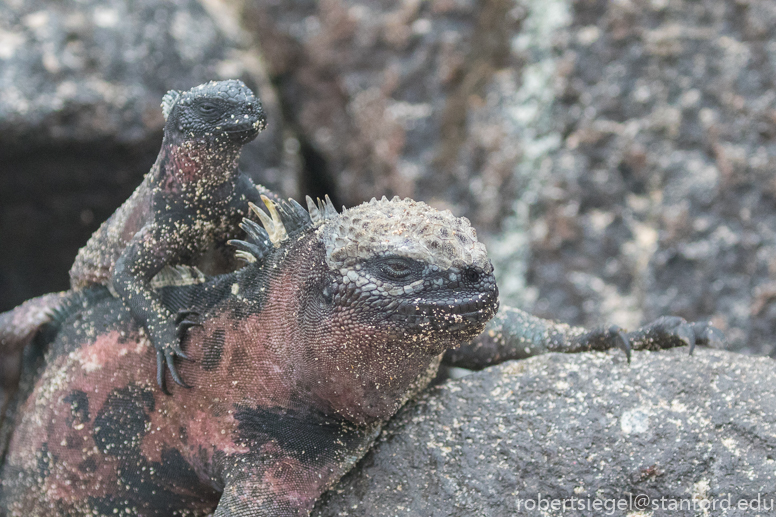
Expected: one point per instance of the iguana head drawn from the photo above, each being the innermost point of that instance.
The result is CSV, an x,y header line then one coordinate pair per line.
x,y
376,293
412,270
217,110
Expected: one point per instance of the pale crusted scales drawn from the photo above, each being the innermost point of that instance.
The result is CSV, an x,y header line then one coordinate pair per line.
x,y
402,227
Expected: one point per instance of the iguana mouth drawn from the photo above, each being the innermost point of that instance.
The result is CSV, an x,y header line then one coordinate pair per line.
x,y
243,131
449,314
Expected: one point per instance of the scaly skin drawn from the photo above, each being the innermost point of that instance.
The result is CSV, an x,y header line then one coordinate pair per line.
x,y
514,334
300,357
192,200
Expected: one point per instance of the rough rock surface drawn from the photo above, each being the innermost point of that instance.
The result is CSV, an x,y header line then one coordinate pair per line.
x,y
390,97
659,198
587,426
630,143
80,122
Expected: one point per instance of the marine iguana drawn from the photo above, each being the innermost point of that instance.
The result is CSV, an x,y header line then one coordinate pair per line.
x,y
335,321
192,200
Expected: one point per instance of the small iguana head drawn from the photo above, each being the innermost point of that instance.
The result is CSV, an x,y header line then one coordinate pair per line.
x,y
377,292
216,110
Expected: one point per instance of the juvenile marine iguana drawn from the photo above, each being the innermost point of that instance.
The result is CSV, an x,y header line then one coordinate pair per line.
x,y
301,355
192,200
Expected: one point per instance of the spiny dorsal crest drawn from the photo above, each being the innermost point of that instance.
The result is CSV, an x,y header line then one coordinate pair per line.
x,y
401,227
168,102
323,212
286,219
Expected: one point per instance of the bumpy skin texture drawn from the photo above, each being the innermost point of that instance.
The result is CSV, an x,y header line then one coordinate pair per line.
x,y
300,357
514,334
190,202
296,366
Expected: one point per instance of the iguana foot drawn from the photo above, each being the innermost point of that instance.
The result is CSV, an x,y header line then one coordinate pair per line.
x,y
665,332
166,354
671,331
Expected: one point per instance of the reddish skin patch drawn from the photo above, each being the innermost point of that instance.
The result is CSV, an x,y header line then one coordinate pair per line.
x,y
189,167
68,440
204,414
298,357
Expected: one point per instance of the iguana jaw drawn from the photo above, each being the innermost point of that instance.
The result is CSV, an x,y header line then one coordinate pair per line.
x,y
373,343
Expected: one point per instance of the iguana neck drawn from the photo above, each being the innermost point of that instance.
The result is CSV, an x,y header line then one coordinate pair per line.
x,y
192,168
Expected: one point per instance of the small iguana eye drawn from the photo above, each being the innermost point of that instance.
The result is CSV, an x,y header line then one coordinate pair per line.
x,y
207,108
471,275
396,268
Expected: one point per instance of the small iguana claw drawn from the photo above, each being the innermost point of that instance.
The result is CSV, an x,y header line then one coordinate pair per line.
x,y
622,340
185,319
176,350
166,357
173,371
707,335
185,325
160,372
183,315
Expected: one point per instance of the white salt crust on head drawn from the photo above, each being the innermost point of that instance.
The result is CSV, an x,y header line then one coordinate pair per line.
x,y
405,228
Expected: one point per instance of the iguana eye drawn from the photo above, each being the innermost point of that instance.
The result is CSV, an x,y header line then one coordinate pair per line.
x,y
207,108
396,268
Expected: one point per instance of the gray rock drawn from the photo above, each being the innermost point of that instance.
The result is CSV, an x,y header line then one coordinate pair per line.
x,y
617,157
659,198
80,117
698,429
390,97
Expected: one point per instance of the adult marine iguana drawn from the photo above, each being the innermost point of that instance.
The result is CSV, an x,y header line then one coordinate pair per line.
x,y
336,320
192,200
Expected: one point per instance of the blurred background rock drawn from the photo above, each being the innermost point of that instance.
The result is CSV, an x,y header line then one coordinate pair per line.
x,y
616,156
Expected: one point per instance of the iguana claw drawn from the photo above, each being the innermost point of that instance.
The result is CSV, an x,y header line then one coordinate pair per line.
x,y
184,320
166,356
665,332
183,315
621,339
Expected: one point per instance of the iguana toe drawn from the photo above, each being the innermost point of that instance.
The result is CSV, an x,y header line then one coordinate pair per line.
x,y
620,340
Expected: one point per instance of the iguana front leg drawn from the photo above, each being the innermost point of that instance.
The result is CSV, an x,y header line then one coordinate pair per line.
x,y
155,246
515,334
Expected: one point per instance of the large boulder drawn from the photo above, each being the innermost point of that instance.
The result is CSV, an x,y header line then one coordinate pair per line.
x,y
659,197
666,430
80,118
391,98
